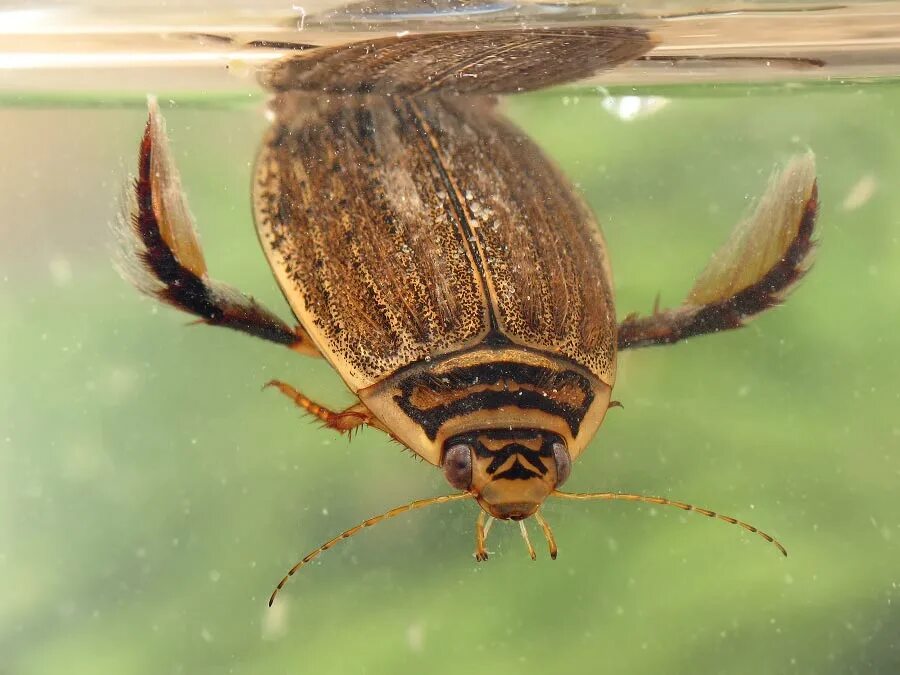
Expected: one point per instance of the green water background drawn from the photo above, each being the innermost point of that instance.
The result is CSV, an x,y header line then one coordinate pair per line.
x,y
151,494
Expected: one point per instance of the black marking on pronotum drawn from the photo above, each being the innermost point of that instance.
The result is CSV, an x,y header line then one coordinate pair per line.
x,y
544,380
523,434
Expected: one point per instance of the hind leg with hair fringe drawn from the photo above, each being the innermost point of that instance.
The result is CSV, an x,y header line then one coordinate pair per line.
x,y
162,255
763,259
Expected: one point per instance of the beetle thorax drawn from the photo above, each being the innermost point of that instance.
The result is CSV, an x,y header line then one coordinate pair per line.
x,y
514,391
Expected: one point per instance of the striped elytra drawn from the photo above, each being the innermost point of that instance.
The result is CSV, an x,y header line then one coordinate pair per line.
x,y
441,262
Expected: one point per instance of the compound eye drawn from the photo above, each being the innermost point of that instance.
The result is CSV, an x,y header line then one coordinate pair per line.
x,y
563,462
458,466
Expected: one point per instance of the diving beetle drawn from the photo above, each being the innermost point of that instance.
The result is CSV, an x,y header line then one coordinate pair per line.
x,y
444,266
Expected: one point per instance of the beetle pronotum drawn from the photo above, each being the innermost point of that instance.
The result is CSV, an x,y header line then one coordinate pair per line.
x,y
443,265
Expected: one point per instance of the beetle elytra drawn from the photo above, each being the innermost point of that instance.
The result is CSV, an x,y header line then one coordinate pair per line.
x,y
444,266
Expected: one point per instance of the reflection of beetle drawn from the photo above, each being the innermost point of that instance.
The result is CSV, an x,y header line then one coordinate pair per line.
x,y
444,266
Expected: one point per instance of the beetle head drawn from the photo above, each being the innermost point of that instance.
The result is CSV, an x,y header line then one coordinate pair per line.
x,y
509,471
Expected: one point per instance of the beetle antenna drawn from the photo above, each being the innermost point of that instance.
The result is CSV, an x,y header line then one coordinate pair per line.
x,y
346,534
548,533
524,531
627,497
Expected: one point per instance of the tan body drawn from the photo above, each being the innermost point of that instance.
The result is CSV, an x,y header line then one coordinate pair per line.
x,y
382,400
444,266
445,242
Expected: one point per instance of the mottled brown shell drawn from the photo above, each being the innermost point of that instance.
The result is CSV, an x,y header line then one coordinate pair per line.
x,y
479,62
402,229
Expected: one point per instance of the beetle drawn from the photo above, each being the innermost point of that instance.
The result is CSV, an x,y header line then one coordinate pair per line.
x,y
444,266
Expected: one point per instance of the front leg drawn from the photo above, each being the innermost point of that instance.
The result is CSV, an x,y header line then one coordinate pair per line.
x,y
481,533
162,255
763,259
345,421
